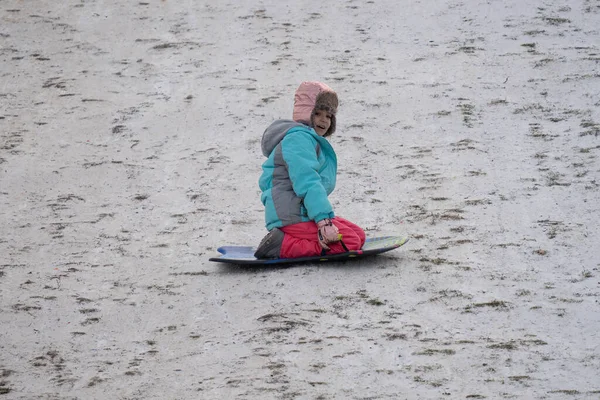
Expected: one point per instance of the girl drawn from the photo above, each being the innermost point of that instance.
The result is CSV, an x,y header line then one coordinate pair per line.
x,y
299,174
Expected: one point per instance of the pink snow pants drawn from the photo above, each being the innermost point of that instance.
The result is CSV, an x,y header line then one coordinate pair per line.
x,y
301,240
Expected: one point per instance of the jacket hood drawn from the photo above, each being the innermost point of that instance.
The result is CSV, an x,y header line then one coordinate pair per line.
x,y
275,134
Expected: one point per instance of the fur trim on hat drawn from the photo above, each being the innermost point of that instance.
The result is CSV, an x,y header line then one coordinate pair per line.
x,y
326,101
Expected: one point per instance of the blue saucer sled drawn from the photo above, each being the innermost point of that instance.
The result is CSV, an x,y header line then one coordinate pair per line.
x,y
245,254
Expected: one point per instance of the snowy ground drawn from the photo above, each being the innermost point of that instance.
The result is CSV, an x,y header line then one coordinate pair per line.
x,y
129,151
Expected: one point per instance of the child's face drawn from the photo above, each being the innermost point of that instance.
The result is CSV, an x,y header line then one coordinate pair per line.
x,y
321,122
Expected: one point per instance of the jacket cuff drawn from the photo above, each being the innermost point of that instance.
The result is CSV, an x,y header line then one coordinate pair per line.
x,y
321,217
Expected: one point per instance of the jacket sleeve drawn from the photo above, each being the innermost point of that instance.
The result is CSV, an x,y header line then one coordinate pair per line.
x,y
300,155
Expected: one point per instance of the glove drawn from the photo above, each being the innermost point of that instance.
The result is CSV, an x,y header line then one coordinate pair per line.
x,y
327,233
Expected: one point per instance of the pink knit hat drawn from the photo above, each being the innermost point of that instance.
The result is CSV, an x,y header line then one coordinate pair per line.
x,y
311,96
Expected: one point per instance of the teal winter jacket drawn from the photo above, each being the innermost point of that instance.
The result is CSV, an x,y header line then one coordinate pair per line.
x,y
299,174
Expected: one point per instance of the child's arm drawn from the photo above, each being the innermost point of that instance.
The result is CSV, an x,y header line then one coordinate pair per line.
x,y
299,153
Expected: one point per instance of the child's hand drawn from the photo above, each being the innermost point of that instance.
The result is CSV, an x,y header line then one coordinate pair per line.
x,y
328,233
